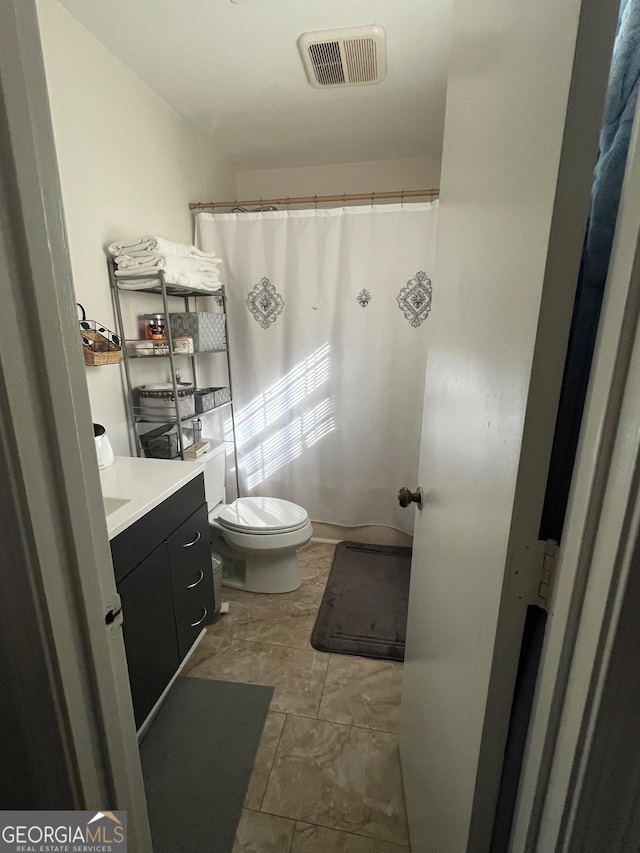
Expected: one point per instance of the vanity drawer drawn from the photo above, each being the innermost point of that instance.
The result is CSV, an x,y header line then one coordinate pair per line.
x,y
197,617
131,546
190,562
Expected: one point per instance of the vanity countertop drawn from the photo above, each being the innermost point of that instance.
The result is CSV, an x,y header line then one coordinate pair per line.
x,y
131,487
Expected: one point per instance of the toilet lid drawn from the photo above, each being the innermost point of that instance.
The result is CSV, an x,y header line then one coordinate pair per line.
x,y
263,515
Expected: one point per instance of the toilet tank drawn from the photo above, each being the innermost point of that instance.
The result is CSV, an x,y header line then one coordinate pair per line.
x,y
214,474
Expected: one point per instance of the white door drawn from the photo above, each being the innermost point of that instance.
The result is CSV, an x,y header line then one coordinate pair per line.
x,y
523,110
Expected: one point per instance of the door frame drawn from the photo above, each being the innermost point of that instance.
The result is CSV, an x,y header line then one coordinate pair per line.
x,y
568,789
70,738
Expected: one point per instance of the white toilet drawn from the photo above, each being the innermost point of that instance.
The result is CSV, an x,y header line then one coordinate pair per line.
x,y
256,537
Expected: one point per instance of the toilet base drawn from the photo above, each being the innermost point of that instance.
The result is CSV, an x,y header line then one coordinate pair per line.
x,y
266,573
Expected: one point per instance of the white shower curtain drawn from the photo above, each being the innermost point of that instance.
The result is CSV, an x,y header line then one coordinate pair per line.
x,y
329,329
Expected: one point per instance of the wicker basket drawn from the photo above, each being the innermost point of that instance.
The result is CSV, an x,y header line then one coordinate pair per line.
x,y
99,345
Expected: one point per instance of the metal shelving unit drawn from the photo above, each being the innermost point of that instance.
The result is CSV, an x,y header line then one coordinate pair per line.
x,y
165,290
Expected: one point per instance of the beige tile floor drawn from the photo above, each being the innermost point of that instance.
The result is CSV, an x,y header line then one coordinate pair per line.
x,y
327,774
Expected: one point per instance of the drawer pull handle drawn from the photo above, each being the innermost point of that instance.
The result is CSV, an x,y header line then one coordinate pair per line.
x,y
197,539
200,621
195,583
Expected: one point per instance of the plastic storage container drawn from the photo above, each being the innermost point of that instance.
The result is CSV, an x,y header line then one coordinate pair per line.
x,y
161,443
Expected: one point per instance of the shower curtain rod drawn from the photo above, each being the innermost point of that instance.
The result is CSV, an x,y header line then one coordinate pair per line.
x,y
317,199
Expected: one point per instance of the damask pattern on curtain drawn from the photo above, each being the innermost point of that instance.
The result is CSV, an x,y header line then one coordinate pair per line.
x,y
329,315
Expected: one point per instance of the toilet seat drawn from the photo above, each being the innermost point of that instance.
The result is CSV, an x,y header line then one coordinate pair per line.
x,y
262,516
257,538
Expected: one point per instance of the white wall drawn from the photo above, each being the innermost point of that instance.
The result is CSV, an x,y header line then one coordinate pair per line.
x,y
375,176
128,166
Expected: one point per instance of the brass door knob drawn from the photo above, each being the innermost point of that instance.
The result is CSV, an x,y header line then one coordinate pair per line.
x,y
406,497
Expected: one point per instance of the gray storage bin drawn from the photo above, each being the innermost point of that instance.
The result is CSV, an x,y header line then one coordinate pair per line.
x,y
222,395
209,398
207,330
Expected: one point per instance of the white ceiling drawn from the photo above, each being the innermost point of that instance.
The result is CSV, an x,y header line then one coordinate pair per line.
x,y
233,71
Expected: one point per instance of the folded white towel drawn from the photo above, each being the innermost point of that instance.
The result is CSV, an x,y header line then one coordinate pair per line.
x,y
151,260
132,254
159,245
174,276
186,281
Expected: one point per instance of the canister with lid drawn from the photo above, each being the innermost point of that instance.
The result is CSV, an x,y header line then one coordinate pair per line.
x,y
154,325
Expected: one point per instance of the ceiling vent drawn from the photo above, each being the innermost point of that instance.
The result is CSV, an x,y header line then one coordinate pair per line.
x,y
356,56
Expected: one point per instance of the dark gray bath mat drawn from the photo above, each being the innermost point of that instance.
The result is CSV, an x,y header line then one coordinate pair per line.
x,y
364,607
197,759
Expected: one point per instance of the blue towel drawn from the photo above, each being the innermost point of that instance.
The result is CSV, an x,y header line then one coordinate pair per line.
x,y
615,135
619,110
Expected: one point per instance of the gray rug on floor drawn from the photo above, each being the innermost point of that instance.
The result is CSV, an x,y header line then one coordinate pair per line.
x,y
197,759
364,606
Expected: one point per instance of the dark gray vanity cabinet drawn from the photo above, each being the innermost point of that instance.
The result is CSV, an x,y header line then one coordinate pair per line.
x,y
149,630
163,574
